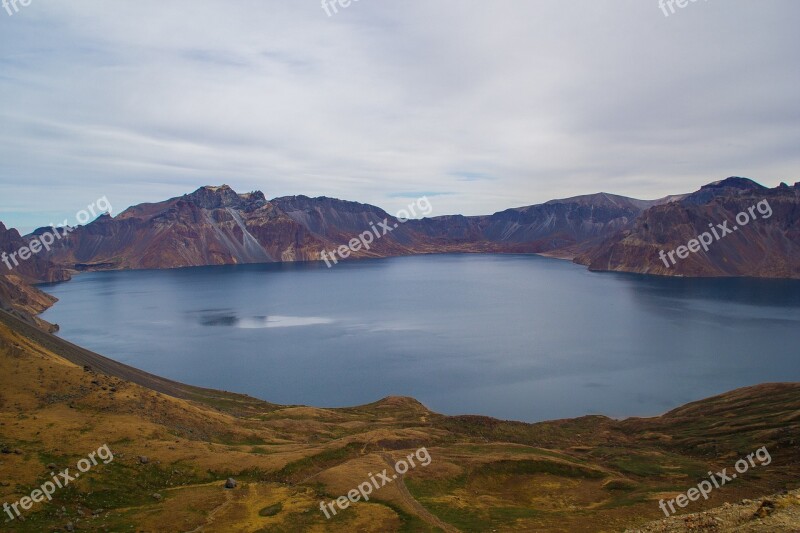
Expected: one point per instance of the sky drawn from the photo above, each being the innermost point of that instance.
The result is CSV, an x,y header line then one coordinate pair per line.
x,y
480,106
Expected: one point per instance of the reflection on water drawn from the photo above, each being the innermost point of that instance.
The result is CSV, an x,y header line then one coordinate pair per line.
x,y
517,337
227,317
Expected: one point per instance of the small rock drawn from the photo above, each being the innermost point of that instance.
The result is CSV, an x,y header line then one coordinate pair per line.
x,y
230,483
69,526
766,508
143,459
157,496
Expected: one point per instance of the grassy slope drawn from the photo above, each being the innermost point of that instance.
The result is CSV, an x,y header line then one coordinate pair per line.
x,y
587,474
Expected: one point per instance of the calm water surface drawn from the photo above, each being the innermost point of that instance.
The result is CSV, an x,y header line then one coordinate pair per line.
x,y
515,337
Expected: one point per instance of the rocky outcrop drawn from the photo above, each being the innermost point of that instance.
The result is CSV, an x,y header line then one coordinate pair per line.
x,y
212,226
17,294
37,268
540,228
217,226
768,245
25,301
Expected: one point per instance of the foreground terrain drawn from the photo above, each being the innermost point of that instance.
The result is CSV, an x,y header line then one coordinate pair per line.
x,y
175,446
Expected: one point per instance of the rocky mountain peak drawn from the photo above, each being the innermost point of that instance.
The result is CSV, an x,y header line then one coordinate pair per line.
x,y
734,182
727,187
222,196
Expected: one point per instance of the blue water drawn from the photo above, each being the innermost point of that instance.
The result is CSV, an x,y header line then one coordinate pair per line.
x,y
515,336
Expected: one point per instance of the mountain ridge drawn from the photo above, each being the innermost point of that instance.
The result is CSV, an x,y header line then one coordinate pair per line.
x,y
215,225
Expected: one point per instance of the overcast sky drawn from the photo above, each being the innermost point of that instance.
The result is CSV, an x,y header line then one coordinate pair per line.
x,y
479,105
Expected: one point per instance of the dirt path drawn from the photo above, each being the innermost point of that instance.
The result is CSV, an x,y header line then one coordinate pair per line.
x,y
417,507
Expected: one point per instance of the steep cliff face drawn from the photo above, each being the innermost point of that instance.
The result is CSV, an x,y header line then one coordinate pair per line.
x,y
215,226
212,226
539,228
335,222
561,223
37,268
768,245
25,301
17,295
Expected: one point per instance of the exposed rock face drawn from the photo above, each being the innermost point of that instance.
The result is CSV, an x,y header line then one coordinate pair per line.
x,y
768,246
217,226
540,228
35,269
212,226
17,295
24,301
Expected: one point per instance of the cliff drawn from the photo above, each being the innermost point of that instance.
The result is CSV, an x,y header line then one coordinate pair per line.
x,y
763,243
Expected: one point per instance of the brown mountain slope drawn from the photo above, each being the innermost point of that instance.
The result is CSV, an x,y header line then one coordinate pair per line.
x,y
215,225
212,226
17,295
766,246
174,449
539,228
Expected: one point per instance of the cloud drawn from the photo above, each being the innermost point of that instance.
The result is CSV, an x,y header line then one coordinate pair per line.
x,y
506,102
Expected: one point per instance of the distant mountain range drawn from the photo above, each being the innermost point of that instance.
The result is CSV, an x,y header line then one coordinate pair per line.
x,y
217,226
606,232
